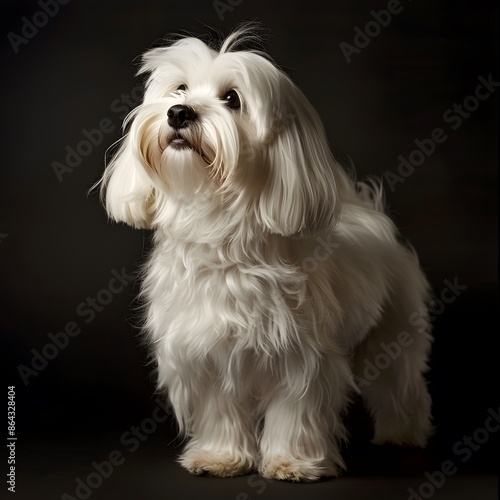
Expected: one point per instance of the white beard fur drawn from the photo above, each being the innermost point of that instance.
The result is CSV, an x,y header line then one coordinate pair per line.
x,y
274,276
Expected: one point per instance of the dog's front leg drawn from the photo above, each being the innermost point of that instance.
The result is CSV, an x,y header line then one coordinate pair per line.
x,y
303,426
221,432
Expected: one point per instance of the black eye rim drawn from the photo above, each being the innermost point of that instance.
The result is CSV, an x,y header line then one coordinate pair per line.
x,y
232,99
182,87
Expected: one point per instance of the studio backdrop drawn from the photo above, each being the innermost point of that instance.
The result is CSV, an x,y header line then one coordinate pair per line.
x,y
407,92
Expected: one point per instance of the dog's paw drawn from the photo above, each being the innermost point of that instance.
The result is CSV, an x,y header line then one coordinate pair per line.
x,y
296,470
215,463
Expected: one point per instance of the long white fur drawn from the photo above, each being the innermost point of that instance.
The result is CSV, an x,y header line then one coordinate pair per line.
x,y
258,352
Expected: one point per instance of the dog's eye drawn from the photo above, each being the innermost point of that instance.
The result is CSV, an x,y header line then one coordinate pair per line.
x,y
181,87
232,99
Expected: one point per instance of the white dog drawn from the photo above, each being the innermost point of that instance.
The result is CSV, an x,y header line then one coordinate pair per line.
x,y
274,277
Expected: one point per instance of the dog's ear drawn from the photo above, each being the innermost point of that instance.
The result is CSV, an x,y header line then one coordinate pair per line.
x,y
127,191
301,194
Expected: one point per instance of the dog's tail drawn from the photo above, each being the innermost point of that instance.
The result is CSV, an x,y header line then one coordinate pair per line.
x,y
371,192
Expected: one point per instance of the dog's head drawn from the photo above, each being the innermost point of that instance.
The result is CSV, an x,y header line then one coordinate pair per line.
x,y
227,126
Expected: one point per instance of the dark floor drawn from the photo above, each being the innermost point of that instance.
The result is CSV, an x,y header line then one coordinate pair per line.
x,y
51,470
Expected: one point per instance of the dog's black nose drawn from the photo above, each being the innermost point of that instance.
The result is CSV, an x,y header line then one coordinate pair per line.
x,y
180,116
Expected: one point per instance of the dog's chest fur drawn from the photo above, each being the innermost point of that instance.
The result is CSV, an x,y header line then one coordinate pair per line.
x,y
246,297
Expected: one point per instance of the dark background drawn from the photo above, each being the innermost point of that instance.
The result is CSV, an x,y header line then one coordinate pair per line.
x,y
57,247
